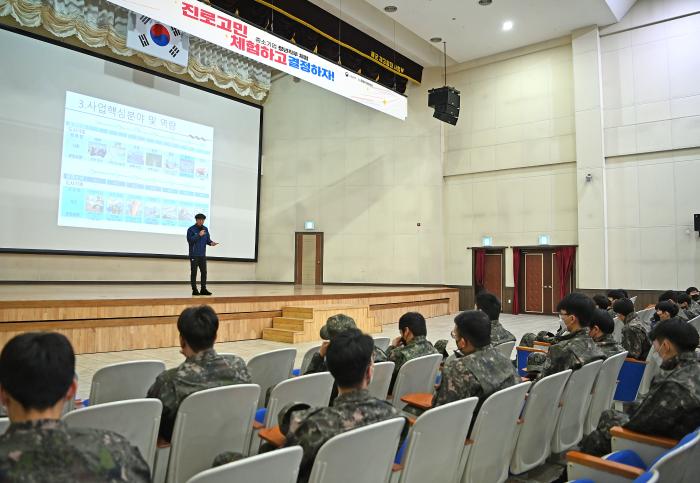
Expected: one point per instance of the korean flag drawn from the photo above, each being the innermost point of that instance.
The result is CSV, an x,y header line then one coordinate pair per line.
x,y
157,39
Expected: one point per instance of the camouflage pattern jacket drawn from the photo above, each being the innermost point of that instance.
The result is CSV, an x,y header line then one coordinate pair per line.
x,y
499,334
419,346
635,339
481,373
47,450
608,345
572,351
204,370
310,429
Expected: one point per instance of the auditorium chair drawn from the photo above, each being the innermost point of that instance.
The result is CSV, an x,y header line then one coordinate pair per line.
x,y
506,348
604,390
635,454
434,446
646,314
415,376
4,424
209,422
125,380
270,368
281,466
382,343
137,420
630,378
487,454
651,369
695,322
533,438
381,380
365,454
308,355
573,408
521,354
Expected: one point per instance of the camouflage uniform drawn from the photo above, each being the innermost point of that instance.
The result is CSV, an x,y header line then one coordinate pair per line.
x,y
635,339
529,339
689,312
671,408
608,345
572,351
310,429
481,373
499,334
204,370
47,450
419,346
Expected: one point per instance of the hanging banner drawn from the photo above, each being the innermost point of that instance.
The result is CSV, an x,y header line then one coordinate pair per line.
x,y
154,38
219,28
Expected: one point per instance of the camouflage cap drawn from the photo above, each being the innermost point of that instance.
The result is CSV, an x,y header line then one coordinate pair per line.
x,y
528,340
335,325
535,362
441,347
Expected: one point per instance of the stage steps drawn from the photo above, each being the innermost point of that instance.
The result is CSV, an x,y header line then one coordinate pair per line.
x,y
302,324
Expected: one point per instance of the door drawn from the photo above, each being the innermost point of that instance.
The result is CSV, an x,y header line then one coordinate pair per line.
x,y
540,282
494,273
308,259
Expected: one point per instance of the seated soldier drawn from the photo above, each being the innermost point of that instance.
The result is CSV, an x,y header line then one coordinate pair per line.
x,y
602,328
635,339
576,348
481,370
602,302
684,306
491,306
335,325
672,407
666,310
667,296
36,376
694,294
202,369
410,344
349,359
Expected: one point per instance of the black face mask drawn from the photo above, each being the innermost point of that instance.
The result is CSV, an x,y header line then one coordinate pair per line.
x,y
695,297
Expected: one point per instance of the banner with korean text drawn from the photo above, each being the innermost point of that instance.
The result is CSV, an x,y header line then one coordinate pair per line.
x,y
219,28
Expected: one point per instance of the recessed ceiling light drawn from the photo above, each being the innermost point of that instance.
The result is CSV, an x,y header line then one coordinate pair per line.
x,y
507,25
391,8
436,39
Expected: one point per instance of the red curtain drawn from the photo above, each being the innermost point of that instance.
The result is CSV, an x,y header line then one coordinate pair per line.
x,y
516,278
565,260
479,267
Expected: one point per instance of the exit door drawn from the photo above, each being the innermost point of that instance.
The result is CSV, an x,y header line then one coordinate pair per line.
x,y
308,260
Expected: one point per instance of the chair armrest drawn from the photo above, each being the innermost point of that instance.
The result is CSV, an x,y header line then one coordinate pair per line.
x,y
161,443
395,468
636,361
421,400
582,465
273,436
626,434
529,349
257,425
647,447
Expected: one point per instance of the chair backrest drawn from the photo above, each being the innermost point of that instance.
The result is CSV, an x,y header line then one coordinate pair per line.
x,y
617,331
137,420
307,358
634,299
313,389
630,378
695,322
651,369
281,466
209,422
506,348
680,464
270,368
488,457
533,442
382,343
381,380
646,314
574,407
604,390
372,446
521,355
436,443
4,424
125,380
416,375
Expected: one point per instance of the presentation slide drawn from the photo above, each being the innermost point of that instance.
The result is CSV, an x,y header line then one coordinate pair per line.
x,y
102,158
124,168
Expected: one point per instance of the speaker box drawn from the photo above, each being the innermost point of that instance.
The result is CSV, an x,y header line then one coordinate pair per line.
x,y
697,221
443,95
448,109
445,117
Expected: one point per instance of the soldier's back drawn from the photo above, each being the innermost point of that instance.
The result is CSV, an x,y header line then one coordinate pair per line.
x,y
41,451
500,334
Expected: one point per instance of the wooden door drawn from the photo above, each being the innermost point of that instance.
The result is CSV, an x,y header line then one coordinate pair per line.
x,y
308,259
540,282
493,280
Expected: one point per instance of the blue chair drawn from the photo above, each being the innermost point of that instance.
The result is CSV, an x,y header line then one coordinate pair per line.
x,y
630,377
521,356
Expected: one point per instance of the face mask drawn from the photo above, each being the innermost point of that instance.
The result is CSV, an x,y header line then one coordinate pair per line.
x,y
657,358
695,297
562,325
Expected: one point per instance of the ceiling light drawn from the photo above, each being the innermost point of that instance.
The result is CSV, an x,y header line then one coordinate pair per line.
x,y
391,8
507,25
436,39
485,2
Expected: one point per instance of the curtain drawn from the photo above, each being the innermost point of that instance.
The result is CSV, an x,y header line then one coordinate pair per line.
x,y
516,278
479,268
565,260
98,23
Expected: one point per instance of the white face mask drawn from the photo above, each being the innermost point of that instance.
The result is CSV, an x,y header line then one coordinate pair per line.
x,y
657,358
562,324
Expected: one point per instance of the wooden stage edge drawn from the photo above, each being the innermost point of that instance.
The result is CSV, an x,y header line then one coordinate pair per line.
x,y
117,324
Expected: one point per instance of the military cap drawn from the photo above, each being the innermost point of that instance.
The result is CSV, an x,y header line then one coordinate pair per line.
x,y
535,362
335,325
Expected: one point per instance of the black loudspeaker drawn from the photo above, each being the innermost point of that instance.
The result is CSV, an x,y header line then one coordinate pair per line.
x,y
445,101
697,221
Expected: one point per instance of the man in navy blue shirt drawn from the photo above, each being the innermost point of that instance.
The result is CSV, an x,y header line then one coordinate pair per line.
x,y
198,239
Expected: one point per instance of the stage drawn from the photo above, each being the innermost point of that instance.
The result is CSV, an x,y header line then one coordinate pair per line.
x,y
111,317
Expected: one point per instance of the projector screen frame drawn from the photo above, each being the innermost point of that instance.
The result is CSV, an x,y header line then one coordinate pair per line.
x,y
81,50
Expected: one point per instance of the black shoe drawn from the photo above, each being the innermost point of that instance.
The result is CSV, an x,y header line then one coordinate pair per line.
x,y
204,291
195,291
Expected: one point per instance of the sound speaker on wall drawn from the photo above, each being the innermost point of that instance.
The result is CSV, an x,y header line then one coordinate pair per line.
x,y
445,101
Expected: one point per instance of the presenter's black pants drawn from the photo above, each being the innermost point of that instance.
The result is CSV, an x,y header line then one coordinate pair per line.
x,y
200,262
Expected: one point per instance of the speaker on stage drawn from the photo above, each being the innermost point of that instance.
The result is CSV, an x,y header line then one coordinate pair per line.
x,y
445,101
